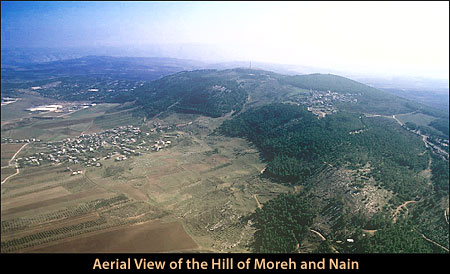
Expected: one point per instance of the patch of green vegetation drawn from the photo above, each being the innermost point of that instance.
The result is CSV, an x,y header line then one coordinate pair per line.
x,y
94,110
440,175
429,216
401,237
282,224
113,171
442,125
116,119
437,127
378,221
417,118
200,92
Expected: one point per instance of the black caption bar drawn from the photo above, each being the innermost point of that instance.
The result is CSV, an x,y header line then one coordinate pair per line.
x,y
245,263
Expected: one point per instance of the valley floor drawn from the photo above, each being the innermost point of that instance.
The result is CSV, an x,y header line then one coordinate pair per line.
x,y
190,196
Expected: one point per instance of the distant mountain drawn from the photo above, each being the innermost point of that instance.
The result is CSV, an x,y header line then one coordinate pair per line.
x,y
432,98
130,68
20,57
431,92
407,83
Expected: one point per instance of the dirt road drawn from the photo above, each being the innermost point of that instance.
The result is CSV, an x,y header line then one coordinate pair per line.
x,y
12,175
318,234
10,164
257,201
433,242
399,208
17,152
323,239
446,215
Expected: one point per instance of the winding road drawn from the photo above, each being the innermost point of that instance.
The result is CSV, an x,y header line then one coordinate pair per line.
x,y
433,242
323,239
397,210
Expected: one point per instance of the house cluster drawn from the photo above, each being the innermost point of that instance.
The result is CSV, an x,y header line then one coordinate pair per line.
x,y
34,160
322,103
158,127
160,144
89,150
18,141
74,172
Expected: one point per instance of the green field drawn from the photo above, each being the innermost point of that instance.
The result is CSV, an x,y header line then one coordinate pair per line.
x,y
417,118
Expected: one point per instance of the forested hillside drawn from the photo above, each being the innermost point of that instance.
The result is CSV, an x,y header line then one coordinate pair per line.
x,y
192,92
283,223
297,146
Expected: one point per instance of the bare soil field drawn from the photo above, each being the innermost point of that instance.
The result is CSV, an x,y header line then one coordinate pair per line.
x,y
31,188
196,167
34,197
148,237
52,202
131,191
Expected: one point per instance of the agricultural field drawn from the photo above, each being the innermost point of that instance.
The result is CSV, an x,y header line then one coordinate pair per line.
x,y
191,196
417,118
8,151
140,237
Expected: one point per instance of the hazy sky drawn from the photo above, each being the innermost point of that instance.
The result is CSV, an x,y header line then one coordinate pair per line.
x,y
368,37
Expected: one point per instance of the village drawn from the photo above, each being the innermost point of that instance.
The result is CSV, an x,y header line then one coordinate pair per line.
x,y
321,103
89,150
6,140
